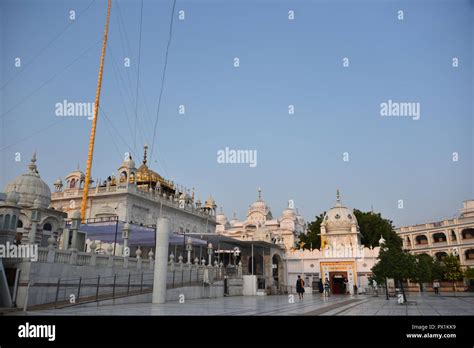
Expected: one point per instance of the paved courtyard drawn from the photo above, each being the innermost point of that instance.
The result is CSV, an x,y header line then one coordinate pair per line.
x,y
280,305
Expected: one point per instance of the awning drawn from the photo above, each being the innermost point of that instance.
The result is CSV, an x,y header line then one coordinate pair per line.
x,y
110,232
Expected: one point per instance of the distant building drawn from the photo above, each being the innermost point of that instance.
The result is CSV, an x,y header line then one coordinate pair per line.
x,y
260,225
342,260
438,239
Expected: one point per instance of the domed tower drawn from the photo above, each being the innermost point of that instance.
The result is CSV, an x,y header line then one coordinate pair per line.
x,y
127,171
210,206
75,179
258,213
339,227
288,217
149,179
222,223
32,191
234,220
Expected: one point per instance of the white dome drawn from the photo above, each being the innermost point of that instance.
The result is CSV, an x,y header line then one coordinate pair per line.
x,y
339,218
30,188
288,213
260,206
128,163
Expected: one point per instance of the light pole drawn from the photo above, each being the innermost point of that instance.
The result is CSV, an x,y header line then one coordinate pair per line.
x,y
384,248
209,252
189,248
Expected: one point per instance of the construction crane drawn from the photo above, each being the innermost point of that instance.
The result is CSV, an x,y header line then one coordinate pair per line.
x,y
96,114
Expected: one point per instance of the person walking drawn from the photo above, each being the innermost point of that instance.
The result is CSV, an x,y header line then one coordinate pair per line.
x,y
436,287
321,287
326,287
300,287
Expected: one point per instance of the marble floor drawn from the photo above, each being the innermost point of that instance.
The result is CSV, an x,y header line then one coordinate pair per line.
x,y
282,305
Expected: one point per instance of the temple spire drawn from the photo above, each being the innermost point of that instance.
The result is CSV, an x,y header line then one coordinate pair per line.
x,y
32,167
145,148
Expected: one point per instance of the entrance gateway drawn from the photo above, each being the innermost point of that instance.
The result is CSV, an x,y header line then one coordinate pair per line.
x,y
336,273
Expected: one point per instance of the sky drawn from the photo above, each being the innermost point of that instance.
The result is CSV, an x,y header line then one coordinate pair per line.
x,y
283,62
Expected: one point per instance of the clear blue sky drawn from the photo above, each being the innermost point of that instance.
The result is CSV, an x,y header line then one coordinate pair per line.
x,y
282,62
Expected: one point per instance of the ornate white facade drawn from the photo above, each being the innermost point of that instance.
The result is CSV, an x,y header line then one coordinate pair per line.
x,y
139,196
26,210
341,259
260,225
454,236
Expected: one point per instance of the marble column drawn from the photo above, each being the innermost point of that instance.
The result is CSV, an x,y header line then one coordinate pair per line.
x,y
161,260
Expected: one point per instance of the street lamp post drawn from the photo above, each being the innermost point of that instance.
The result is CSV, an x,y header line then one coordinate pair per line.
x,y
189,248
209,252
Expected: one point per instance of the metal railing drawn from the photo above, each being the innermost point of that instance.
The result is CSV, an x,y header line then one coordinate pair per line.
x,y
65,292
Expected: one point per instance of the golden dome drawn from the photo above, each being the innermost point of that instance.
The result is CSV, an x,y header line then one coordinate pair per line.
x,y
146,176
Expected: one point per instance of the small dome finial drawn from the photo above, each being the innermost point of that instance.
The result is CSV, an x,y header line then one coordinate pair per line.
x,y
32,165
338,196
259,193
145,153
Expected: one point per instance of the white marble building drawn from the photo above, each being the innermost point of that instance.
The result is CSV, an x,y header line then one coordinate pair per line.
x,y
260,225
27,211
342,257
137,195
440,238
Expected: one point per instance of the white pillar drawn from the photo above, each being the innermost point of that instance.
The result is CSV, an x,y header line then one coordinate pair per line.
x,y
161,260
33,233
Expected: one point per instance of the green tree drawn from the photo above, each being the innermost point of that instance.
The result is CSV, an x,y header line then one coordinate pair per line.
x,y
452,269
313,237
437,270
372,226
394,263
423,269
469,274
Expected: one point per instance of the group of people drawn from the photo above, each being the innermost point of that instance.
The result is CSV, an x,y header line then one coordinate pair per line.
x,y
323,288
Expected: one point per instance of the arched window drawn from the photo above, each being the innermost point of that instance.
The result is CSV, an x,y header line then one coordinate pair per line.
x,y
1,220
6,223
469,254
19,224
468,233
72,183
123,176
440,255
13,223
132,178
47,227
421,240
439,237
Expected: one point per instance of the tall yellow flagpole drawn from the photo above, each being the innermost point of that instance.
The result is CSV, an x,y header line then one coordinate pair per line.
x,y
94,120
